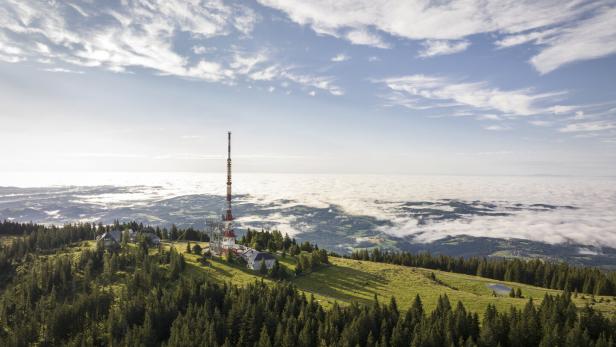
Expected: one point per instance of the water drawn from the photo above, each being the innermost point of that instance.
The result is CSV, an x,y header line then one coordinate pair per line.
x,y
500,289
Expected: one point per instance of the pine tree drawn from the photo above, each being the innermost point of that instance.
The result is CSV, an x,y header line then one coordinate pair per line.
x,y
262,267
264,339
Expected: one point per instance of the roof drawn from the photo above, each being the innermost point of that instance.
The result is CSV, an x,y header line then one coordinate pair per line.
x,y
253,256
264,256
115,235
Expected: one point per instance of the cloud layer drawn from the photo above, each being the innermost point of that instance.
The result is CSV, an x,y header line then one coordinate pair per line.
x,y
332,208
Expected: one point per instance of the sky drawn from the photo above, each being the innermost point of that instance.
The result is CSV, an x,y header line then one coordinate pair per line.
x,y
365,86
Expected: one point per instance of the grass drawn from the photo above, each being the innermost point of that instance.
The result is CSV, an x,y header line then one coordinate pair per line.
x,y
347,280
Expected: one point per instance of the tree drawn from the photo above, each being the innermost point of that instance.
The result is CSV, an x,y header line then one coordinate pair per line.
x,y
125,237
262,267
188,250
197,249
264,339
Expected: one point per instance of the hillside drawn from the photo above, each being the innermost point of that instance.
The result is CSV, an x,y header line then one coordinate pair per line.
x,y
347,280
59,290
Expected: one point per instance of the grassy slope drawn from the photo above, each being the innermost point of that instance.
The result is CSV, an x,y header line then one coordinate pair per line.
x,y
351,280
348,280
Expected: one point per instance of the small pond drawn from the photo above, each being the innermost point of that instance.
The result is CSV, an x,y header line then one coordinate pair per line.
x,y
499,288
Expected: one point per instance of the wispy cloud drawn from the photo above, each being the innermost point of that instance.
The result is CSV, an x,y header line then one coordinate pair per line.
x,y
122,37
340,58
277,72
432,91
589,39
544,22
59,69
142,35
588,126
496,127
442,47
541,123
364,37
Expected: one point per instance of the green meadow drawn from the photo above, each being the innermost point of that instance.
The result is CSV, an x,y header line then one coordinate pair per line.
x,y
346,281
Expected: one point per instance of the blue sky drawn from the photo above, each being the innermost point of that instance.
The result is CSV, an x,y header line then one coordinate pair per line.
x,y
417,87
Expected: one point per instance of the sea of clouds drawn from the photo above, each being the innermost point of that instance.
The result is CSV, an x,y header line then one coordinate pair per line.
x,y
341,209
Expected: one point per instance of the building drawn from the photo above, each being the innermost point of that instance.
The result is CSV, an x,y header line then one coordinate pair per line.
x,y
254,259
110,239
151,238
113,239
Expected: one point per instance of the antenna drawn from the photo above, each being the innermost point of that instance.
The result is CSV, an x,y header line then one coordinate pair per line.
x,y
228,217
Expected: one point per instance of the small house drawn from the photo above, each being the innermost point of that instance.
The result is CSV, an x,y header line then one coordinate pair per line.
x,y
110,239
151,238
254,259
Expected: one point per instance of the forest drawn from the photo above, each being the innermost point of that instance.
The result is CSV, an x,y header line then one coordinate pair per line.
x,y
146,297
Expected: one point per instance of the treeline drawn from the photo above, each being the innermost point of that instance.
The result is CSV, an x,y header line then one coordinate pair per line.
x,y
11,228
534,272
172,234
273,241
133,298
308,262
35,238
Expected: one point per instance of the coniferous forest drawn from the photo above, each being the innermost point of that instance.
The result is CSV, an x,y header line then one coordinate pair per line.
x,y
144,297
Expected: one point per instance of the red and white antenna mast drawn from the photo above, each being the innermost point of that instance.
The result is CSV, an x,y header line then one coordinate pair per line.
x,y
228,217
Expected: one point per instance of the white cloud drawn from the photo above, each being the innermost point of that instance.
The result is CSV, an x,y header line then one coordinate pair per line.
x,y
373,59
364,37
10,53
417,19
518,39
198,49
546,22
425,90
266,74
136,35
340,58
143,35
78,9
591,38
276,72
488,117
561,109
59,69
246,64
442,47
496,127
579,115
541,123
588,126
323,83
